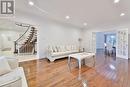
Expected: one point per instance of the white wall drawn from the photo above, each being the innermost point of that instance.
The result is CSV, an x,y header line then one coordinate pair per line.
x,y
51,32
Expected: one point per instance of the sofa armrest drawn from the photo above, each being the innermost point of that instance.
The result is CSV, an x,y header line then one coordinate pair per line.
x,y
13,62
11,81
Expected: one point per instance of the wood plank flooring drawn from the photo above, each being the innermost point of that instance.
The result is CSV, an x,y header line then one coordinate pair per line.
x,y
108,72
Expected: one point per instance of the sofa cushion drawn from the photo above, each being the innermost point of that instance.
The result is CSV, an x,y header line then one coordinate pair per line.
x,y
4,66
64,49
68,52
55,49
75,51
58,54
50,49
68,48
60,49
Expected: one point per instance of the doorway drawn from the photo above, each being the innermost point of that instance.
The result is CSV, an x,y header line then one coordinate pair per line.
x,y
106,43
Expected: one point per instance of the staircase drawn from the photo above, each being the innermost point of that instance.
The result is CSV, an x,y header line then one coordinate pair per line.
x,y
26,44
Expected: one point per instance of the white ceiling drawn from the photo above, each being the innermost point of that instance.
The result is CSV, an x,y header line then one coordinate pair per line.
x,y
94,12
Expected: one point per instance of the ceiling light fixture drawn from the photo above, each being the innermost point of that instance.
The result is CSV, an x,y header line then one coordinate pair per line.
x,y
116,1
31,3
122,14
67,17
85,24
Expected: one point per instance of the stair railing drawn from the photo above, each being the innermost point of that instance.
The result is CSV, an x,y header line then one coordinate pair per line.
x,y
16,43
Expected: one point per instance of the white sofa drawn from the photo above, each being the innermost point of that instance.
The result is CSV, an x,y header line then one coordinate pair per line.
x,y
61,51
15,78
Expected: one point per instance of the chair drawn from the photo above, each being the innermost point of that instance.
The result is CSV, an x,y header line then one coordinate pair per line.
x,y
15,78
109,49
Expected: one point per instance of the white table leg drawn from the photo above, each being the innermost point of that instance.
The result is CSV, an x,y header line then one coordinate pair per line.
x,y
84,61
79,64
79,76
94,60
69,61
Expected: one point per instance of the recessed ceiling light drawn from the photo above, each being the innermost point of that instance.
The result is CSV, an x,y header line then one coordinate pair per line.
x,y
122,14
31,3
116,1
85,24
67,17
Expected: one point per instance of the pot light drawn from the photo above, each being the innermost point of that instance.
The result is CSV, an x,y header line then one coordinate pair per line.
x,y
116,1
67,17
85,24
31,3
122,14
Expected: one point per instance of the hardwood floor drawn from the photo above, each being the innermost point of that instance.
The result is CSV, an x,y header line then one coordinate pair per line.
x,y
108,72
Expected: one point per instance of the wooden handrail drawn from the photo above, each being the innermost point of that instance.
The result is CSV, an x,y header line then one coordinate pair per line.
x,y
23,34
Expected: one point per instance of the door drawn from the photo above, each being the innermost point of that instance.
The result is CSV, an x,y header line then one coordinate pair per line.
x,y
122,43
93,47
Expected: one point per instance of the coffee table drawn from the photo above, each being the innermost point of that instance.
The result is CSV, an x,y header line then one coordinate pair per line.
x,y
80,57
